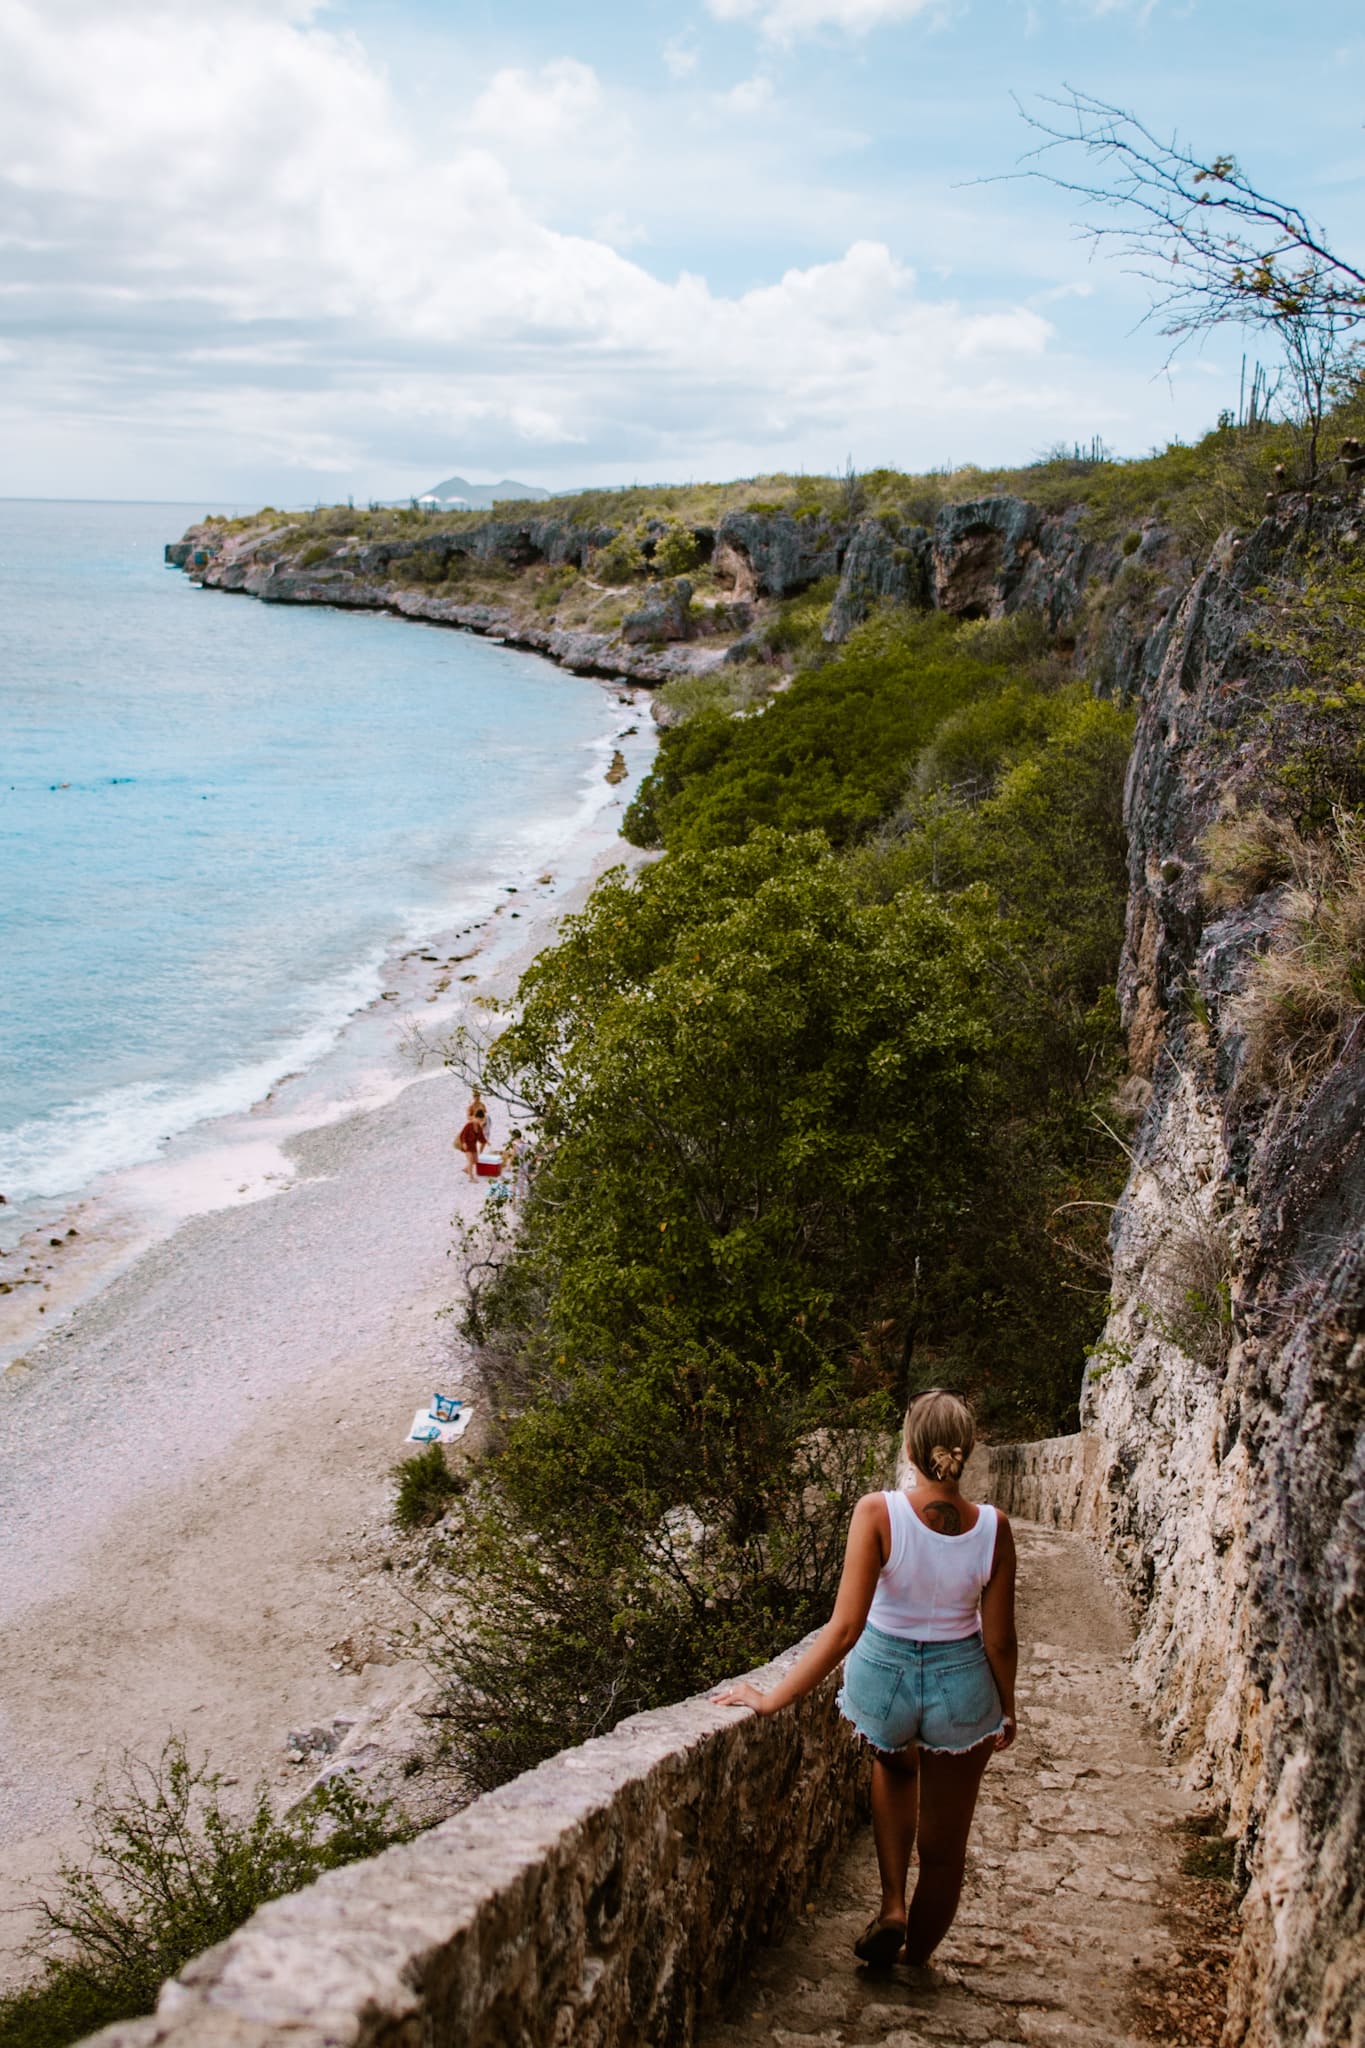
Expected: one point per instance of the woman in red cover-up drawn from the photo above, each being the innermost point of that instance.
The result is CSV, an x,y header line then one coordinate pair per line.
x,y
471,1141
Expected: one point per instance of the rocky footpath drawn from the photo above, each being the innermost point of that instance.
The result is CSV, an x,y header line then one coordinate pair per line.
x,y
1077,1926
1226,1402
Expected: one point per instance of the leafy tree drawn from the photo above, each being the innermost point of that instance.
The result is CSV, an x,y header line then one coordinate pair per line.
x,y
755,1091
1012,1305
677,551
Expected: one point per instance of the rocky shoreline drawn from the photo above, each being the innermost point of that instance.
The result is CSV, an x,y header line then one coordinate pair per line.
x,y
533,583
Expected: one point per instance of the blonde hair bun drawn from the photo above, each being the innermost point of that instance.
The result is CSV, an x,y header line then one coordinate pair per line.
x,y
940,1431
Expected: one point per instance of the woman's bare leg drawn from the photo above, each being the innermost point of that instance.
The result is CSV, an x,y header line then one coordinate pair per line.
x,y
947,1803
895,1811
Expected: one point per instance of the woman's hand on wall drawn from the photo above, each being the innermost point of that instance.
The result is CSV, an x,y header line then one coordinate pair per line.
x,y
743,1694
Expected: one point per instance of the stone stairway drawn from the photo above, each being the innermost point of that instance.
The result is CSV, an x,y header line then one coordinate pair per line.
x,y
1074,1867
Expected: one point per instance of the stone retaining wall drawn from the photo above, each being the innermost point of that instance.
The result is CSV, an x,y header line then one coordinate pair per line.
x,y
1048,1481
607,1899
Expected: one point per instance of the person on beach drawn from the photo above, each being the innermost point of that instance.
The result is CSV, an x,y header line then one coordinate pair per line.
x,y
924,1621
472,1138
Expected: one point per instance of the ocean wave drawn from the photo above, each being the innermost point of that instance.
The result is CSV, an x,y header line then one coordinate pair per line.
x,y
63,1153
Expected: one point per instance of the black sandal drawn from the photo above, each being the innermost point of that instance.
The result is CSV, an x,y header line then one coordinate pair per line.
x,y
880,1942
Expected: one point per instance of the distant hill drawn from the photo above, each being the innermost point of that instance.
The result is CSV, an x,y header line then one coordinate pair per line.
x,y
480,497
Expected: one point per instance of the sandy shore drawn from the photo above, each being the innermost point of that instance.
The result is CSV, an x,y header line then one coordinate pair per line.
x,y
195,1467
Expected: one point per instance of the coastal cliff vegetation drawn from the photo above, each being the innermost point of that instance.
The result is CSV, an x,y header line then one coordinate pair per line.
x,y
815,1098
828,1099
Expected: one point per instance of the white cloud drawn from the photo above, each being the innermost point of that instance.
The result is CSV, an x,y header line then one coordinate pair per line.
x,y
750,96
231,252
558,103
619,231
784,20
680,58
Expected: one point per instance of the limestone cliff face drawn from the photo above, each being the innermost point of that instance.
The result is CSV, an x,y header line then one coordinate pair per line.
x,y
1228,1483
258,563
981,559
990,557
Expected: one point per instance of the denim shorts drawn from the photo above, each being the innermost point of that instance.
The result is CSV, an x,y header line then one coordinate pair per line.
x,y
940,1696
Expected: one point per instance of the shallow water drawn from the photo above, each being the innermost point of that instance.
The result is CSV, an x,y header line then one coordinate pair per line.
x,y
217,819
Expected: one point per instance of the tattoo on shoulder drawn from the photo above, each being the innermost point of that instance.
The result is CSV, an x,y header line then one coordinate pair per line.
x,y
944,1516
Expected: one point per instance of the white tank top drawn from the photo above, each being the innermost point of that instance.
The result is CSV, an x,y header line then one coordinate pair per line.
x,y
930,1586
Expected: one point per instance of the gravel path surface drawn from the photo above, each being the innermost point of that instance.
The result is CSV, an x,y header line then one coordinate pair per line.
x,y
1065,1930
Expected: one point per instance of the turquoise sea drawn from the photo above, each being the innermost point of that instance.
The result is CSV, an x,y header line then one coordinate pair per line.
x,y
217,819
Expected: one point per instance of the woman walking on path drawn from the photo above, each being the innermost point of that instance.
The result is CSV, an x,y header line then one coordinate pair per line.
x,y
924,1618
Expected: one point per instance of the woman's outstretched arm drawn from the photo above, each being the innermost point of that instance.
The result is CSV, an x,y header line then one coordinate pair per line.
x,y
869,1537
997,1627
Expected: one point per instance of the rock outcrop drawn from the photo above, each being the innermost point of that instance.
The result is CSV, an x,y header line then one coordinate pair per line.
x,y
773,554
1227,1398
885,562
980,560
983,559
368,579
667,616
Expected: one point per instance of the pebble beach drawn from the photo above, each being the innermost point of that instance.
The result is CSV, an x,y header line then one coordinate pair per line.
x,y
195,1463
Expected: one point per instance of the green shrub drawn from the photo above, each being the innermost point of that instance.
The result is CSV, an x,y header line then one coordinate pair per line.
x,y
639,1541
554,588
753,1087
426,1486
1314,731
620,561
833,752
677,551
170,1872
1246,854
311,556
799,626
1192,1288
755,1091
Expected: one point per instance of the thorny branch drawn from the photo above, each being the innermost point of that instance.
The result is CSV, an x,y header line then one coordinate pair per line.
x,y
1214,245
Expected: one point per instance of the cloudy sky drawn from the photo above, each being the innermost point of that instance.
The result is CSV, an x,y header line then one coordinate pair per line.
x,y
286,249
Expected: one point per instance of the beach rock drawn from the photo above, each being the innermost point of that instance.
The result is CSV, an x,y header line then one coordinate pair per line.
x,y
303,1744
